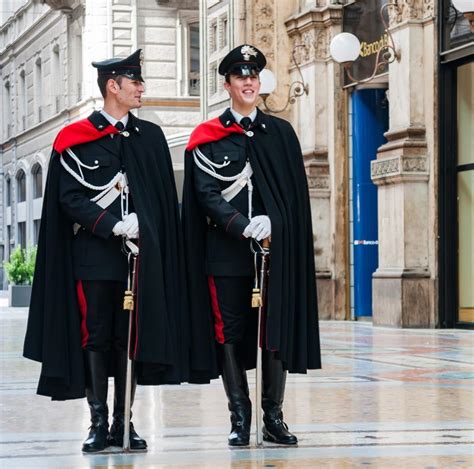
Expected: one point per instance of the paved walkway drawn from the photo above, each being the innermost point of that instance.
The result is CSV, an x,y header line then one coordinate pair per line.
x,y
386,398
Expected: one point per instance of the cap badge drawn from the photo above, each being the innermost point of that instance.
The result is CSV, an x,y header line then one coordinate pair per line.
x,y
248,51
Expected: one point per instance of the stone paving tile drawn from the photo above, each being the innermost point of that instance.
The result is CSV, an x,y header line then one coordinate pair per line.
x,y
385,398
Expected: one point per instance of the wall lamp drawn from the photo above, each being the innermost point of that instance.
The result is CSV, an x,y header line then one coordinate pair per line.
x,y
466,7
345,49
297,88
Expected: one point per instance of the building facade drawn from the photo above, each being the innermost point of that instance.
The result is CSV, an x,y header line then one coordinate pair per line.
x,y
46,48
372,150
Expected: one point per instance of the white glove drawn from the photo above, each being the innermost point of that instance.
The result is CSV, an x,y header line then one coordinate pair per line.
x,y
117,230
130,226
260,227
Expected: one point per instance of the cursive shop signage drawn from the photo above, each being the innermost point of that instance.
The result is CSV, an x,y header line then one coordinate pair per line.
x,y
362,19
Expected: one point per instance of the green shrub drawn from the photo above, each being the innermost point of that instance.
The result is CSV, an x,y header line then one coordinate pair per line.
x,y
21,267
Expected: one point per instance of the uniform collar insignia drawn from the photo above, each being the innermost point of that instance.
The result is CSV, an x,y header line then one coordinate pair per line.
x,y
227,118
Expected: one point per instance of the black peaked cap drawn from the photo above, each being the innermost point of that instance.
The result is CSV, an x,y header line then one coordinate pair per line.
x,y
130,67
244,60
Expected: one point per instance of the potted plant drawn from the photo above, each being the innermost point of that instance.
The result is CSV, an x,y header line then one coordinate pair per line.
x,y
20,269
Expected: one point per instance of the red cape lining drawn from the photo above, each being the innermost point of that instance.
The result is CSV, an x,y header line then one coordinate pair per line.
x,y
211,131
82,131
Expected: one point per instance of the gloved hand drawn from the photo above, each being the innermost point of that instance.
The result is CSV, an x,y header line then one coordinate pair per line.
x,y
130,226
117,230
260,227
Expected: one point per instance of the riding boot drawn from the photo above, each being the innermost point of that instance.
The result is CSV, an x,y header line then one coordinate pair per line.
x,y
120,381
234,378
96,364
274,379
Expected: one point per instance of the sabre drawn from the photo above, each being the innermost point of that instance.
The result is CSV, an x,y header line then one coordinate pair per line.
x,y
128,305
259,299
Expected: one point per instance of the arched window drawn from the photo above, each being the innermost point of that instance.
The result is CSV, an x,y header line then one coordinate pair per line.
x,y
21,186
37,173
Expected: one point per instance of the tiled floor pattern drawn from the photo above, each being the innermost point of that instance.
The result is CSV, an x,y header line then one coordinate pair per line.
x,y
385,398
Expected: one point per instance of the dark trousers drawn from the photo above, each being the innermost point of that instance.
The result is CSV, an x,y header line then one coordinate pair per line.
x,y
234,316
104,323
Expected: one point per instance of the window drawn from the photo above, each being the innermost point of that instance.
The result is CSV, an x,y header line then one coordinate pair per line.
x,y
21,235
37,173
36,227
39,90
7,110
213,36
56,81
213,80
193,65
224,31
77,67
8,190
21,186
23,101
9,242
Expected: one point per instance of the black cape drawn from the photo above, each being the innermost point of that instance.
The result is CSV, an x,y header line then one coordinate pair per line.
x,y
292,314
160,332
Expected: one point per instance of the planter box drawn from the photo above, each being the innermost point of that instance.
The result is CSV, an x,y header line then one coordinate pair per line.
x,y
19,295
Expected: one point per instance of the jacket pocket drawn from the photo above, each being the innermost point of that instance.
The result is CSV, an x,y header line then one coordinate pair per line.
x,y
230,156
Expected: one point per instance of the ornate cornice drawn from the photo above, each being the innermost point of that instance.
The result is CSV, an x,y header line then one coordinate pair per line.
x,y
402,158
62,5
308,19
312,28
317,171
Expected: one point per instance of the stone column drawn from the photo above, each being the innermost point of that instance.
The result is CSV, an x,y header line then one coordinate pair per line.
x,y
404,171
320,121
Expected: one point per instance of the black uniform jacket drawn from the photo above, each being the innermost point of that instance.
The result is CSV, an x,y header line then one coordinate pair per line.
x,y
227,251
159,334
97,254
278,172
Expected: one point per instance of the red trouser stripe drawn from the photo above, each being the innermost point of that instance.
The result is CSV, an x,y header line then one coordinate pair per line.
x,y
218,322
81,298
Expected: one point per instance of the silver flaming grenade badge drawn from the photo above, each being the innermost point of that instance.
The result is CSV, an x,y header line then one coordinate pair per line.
x,y
248,51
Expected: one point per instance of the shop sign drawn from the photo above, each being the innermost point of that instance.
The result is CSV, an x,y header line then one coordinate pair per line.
x,y
362,19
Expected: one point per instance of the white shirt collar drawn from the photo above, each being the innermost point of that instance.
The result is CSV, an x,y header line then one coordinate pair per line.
x,y
113,120
238,117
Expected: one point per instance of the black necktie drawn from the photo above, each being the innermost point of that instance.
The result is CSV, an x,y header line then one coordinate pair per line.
x,y
119,126
246,122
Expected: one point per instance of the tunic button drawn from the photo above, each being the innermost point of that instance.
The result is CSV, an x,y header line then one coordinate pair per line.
x,y
125,134
249,133
96,162
226,157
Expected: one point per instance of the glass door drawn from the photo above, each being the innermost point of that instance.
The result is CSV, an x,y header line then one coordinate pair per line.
x,y
465,192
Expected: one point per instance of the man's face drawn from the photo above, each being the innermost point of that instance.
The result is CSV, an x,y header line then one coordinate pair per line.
x,y
128,92
243,90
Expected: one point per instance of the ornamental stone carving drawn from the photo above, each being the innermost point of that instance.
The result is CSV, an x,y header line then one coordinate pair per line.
x,y
312,28
402,158
317,168
264,27
316,42
411,10
399,169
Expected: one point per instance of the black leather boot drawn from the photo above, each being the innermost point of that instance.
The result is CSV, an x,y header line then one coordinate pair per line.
x,y
120,380
96,364
234,378
274,380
